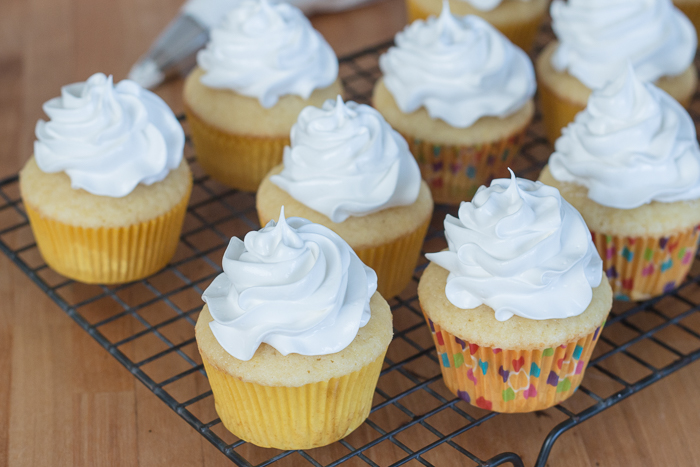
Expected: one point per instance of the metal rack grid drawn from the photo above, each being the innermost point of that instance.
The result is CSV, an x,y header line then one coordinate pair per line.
x,y
148,327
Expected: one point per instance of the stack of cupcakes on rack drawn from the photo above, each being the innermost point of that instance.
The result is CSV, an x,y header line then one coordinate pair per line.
x,y
263,65
630,163
596,38
461,94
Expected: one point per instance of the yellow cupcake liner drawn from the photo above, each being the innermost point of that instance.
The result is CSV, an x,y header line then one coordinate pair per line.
x,y
108,255
521,34
557,112
396,261
692,11
640,268
454,172
512,381
237,161
304,417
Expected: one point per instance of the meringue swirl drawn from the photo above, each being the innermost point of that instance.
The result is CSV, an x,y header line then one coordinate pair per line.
x,y
348,153
294,285
108,138
633,144
598,37
267,51
486,5
459,68
521,249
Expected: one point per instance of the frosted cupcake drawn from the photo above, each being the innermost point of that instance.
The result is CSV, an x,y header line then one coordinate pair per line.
x,y
263,65
518,20
596,38
517,302
348,170
293,336
630,163
107,188
461,95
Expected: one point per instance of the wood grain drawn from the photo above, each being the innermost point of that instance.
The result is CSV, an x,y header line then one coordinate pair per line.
x,y
66,402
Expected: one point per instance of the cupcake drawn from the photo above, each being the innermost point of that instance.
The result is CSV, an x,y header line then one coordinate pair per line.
x,y
348,170
107,188
596,38
461,95
691,9
630,163
517,302
518,20
263,65
293,336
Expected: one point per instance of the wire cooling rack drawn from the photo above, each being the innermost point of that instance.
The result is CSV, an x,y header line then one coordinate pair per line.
x,y
148,326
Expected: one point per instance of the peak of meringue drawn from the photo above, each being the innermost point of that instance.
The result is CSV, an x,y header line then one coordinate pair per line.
x,y
348,152
633,144
521,249
266,51
294,285
108,138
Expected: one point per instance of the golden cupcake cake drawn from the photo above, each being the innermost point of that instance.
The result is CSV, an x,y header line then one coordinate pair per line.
x,y
461,95
263,65
518,20
107,187
595,40
630,163
293,336
517,302
348,170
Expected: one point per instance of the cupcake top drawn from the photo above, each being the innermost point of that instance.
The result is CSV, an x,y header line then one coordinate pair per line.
x,y
267,51
486,5
345,160
459,68
108,138
294,285
521,249
598,37
633,144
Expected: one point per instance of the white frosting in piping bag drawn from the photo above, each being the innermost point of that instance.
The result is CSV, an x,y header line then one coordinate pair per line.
x,y
598,37
459,68
108,138
267,51
521,249
294,285
633,144
345,160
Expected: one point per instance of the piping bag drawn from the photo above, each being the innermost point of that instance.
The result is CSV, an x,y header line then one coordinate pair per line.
x,y
174,53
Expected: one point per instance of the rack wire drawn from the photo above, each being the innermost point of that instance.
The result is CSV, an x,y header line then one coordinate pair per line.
x,y
148,326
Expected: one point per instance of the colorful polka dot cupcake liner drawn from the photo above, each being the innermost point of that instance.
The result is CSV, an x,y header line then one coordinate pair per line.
x,y
109,255
521,34
454,173
510,381
303,417
644,267
237,161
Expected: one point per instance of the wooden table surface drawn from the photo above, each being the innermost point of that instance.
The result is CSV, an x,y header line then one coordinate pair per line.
x,y
65,402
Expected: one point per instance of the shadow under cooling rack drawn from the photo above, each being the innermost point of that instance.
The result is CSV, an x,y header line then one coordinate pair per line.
x,y
148,326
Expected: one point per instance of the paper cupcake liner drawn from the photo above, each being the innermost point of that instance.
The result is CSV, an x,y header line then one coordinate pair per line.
x,y
643,267
302,417
521,34
454,173
692,11
395,262
557,112
237,161
108,255
512,381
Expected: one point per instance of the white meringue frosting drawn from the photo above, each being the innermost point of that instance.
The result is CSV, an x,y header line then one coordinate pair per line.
x,y
486,5
521,249
598,37
267,51
633,144
108,138
458,68
294,285
345,160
